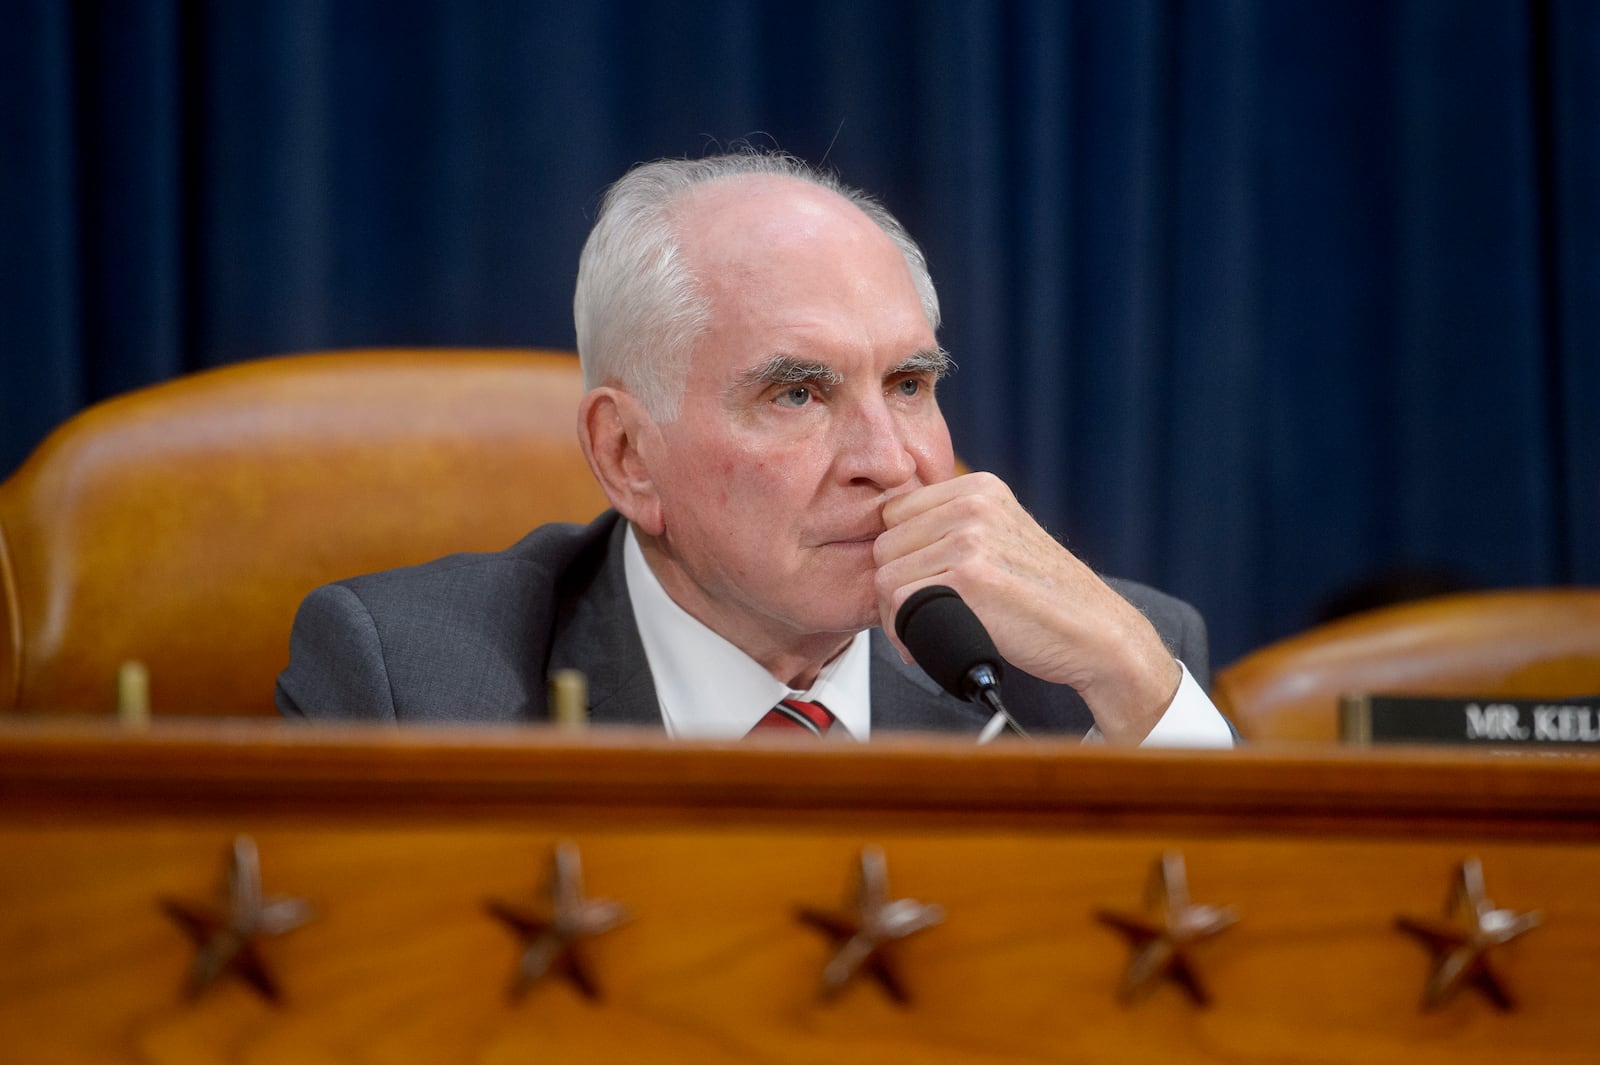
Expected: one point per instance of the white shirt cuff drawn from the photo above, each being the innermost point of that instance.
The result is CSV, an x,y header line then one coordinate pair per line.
x,y
1191,720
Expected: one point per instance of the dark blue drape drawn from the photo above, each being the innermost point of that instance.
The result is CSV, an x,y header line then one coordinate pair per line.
x,y
1252,300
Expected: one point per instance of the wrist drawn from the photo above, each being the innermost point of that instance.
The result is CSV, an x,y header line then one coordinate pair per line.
x,y
1131,696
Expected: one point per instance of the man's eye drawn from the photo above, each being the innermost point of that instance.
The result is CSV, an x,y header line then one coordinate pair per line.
x,y
908,386
794,396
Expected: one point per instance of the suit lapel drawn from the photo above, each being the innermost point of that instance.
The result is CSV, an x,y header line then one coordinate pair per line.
x,y
596,635
905,699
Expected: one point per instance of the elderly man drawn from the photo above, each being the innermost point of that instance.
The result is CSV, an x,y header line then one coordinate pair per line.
x,y
760,357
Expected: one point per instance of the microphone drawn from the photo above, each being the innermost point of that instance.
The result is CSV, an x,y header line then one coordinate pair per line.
x,y
948,641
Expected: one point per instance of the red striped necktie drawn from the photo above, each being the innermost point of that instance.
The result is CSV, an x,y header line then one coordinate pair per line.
x,y
795,715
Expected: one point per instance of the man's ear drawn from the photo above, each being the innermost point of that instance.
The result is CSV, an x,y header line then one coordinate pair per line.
x,y
619,438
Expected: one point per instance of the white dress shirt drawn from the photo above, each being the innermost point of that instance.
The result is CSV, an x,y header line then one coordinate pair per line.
x,y
709,689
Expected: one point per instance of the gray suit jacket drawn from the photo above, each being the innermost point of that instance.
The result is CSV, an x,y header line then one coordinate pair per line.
x,y
473,637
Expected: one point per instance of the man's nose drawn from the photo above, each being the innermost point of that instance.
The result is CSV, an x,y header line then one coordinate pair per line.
x,y
873,448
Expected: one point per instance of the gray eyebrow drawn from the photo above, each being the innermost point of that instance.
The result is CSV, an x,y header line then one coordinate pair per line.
x,y
935,361
788,370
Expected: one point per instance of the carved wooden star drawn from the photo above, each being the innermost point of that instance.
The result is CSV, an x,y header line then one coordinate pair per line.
x,y
554,939
228,937
1162,946
1461,949
867,932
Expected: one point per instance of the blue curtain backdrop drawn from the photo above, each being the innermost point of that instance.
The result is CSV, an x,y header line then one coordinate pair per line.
x,y
1251,299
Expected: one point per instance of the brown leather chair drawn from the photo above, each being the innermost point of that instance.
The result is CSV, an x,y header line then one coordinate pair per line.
x,y
180,525
1513,644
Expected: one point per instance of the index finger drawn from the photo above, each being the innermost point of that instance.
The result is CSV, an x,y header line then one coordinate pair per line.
x,y
903,508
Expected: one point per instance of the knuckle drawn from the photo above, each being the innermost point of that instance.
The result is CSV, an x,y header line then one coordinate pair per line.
x,y
885,583
968,539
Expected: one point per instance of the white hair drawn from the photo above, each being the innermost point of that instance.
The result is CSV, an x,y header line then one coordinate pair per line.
x,y
639,311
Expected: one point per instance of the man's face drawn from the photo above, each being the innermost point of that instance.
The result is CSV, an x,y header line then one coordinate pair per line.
x,y
809,401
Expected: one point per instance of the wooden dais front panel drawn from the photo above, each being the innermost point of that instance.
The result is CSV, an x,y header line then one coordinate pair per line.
x,y
403,843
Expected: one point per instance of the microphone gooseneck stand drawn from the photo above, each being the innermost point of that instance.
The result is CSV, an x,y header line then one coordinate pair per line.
x,y
948,641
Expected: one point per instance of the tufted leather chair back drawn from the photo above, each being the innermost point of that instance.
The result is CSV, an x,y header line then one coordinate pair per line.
x,y
180,525
1512,643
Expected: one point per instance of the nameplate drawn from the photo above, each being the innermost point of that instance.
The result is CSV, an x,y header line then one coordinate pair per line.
x,y
1528,723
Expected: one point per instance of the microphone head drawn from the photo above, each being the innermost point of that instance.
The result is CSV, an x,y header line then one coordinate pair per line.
x,y
946,639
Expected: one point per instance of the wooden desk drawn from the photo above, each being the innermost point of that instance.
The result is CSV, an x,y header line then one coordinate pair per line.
x,y
400,838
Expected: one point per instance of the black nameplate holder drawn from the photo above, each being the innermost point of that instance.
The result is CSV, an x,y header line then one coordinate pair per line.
x,y
1567,724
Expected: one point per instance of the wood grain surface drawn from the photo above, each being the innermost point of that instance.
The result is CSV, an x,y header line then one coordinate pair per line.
x,y
399,839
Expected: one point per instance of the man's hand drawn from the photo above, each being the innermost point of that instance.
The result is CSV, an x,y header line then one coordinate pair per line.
x,y
1049,614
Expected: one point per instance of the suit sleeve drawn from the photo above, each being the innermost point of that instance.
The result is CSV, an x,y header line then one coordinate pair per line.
x,y
336,666
1191,644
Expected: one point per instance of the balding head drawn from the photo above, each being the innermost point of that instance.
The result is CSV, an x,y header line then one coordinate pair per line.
x,y
641,306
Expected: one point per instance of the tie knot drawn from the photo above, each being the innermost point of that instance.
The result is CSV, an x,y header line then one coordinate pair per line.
x,y
797,714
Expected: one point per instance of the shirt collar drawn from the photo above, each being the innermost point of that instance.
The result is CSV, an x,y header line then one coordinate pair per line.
x,y
709,689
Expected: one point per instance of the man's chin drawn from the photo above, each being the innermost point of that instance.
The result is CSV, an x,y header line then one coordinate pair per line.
x,y
844,622
836,600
